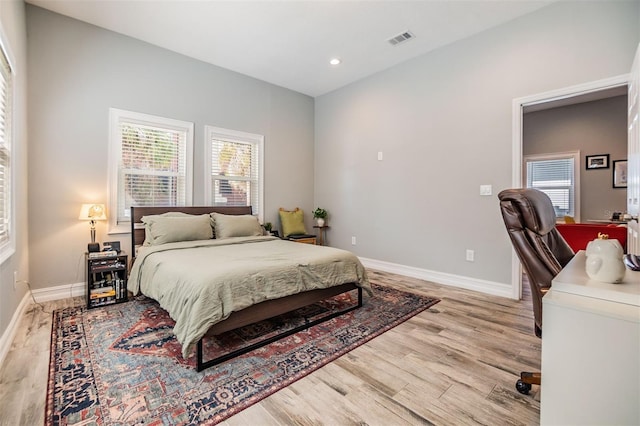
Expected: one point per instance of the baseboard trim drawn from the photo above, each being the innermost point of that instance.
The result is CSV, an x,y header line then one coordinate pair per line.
x,y
40,296
482,286
7,337
59,292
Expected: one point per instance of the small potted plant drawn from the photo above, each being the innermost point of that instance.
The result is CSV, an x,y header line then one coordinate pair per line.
x,y
268,227
320,215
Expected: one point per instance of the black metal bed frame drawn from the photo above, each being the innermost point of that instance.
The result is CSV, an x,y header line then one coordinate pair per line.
x,y
215,361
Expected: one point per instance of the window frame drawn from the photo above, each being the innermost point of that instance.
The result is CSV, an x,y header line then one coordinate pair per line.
x,y
575,155
116,117
219,133
8,246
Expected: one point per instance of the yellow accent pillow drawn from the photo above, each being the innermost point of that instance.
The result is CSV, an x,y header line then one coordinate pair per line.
x,y
292,222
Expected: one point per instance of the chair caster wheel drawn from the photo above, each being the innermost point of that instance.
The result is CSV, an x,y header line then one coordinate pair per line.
x,y
523,387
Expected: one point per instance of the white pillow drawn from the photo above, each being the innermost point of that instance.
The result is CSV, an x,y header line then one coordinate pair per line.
x,y
174,227
227,226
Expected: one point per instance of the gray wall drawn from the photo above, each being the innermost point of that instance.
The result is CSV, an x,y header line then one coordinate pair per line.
x,y
598,127
444,124
12,20
77,71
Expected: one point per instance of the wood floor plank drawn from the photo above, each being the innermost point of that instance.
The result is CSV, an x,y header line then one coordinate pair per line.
x,y
291,406
453,364
463,400
254,415
337,378
387,380
412,398
377,408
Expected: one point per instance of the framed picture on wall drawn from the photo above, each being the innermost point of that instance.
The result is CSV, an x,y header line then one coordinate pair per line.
x,y
598,161
620,174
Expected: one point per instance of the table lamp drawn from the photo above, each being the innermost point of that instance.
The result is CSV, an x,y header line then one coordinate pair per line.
x,y
93,212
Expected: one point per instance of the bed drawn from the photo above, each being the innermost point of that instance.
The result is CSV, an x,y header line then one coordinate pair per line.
x,y
213,285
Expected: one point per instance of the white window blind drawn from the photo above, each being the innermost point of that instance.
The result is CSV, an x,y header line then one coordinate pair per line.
x,y
6,108
555,175
153,157
234,169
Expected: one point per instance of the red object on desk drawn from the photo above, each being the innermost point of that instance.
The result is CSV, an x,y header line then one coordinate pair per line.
x,y
578,235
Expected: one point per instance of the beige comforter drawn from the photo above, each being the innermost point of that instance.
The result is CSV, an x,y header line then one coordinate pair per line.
x,y
200,283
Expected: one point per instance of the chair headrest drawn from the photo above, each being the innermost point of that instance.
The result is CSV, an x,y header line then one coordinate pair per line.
x,y
534,207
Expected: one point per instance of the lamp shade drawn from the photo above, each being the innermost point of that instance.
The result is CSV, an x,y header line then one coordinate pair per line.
x,y
92,212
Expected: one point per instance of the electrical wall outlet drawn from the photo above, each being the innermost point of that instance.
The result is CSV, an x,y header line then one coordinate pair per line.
x,y
353,241
470,255
486,190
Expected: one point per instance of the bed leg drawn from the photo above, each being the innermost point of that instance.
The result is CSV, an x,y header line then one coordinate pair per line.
x,y
359,297
199,365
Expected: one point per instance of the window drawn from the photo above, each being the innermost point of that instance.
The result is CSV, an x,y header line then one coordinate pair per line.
x,y
7,240
557,176
233,169
150,164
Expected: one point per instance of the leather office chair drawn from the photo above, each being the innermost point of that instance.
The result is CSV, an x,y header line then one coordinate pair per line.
x,y
531,223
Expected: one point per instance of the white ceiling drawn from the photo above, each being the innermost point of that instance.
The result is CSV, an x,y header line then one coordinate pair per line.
x,y
289,43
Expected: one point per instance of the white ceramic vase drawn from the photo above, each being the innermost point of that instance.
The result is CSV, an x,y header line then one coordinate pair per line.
x,y
320,221
604,260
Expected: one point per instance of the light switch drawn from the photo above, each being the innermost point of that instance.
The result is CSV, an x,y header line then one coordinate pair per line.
x,y
485,189
379,155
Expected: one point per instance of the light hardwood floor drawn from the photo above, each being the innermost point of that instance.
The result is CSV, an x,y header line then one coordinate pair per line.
x,y
453,364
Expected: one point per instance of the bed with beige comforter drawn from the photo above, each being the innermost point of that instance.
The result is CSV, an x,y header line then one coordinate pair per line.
x,y
200,283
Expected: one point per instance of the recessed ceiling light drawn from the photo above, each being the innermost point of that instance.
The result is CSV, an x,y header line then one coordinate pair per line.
x,y
335,61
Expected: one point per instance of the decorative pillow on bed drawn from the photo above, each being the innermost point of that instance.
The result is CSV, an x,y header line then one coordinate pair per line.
x,y
227,226
147,220
292,222
162,229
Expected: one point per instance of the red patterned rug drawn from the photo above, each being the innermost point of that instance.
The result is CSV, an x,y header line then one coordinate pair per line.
x,y
122,365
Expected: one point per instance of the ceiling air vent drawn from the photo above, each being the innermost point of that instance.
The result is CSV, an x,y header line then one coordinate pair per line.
x,y
401,38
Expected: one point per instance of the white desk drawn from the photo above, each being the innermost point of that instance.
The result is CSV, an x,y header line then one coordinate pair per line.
x,y
590,350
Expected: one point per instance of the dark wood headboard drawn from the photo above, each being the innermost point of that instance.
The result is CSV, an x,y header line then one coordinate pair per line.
x,y
137,230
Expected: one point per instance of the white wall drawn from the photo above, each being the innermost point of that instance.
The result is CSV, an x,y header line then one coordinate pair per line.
x,y
443,123
77,71
12,21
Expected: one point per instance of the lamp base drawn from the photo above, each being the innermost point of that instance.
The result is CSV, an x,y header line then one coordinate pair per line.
x,y
93,247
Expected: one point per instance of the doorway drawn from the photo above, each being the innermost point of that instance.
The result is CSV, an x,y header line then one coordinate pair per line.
x,y
566,96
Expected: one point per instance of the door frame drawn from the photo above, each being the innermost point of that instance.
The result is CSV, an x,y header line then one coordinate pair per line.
x,y
516,148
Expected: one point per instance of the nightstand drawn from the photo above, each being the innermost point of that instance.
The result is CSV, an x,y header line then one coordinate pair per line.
x,y
322,236
106,279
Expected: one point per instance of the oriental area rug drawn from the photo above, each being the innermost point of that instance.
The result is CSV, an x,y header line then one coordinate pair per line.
x,y
121,364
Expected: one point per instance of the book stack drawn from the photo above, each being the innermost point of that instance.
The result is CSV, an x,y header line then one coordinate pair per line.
x,y
102,295
103,254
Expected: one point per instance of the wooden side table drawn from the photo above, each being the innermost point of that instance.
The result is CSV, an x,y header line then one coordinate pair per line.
x,y
321,233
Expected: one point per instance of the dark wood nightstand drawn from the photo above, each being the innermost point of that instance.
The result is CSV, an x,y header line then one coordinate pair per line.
x,y
106,279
